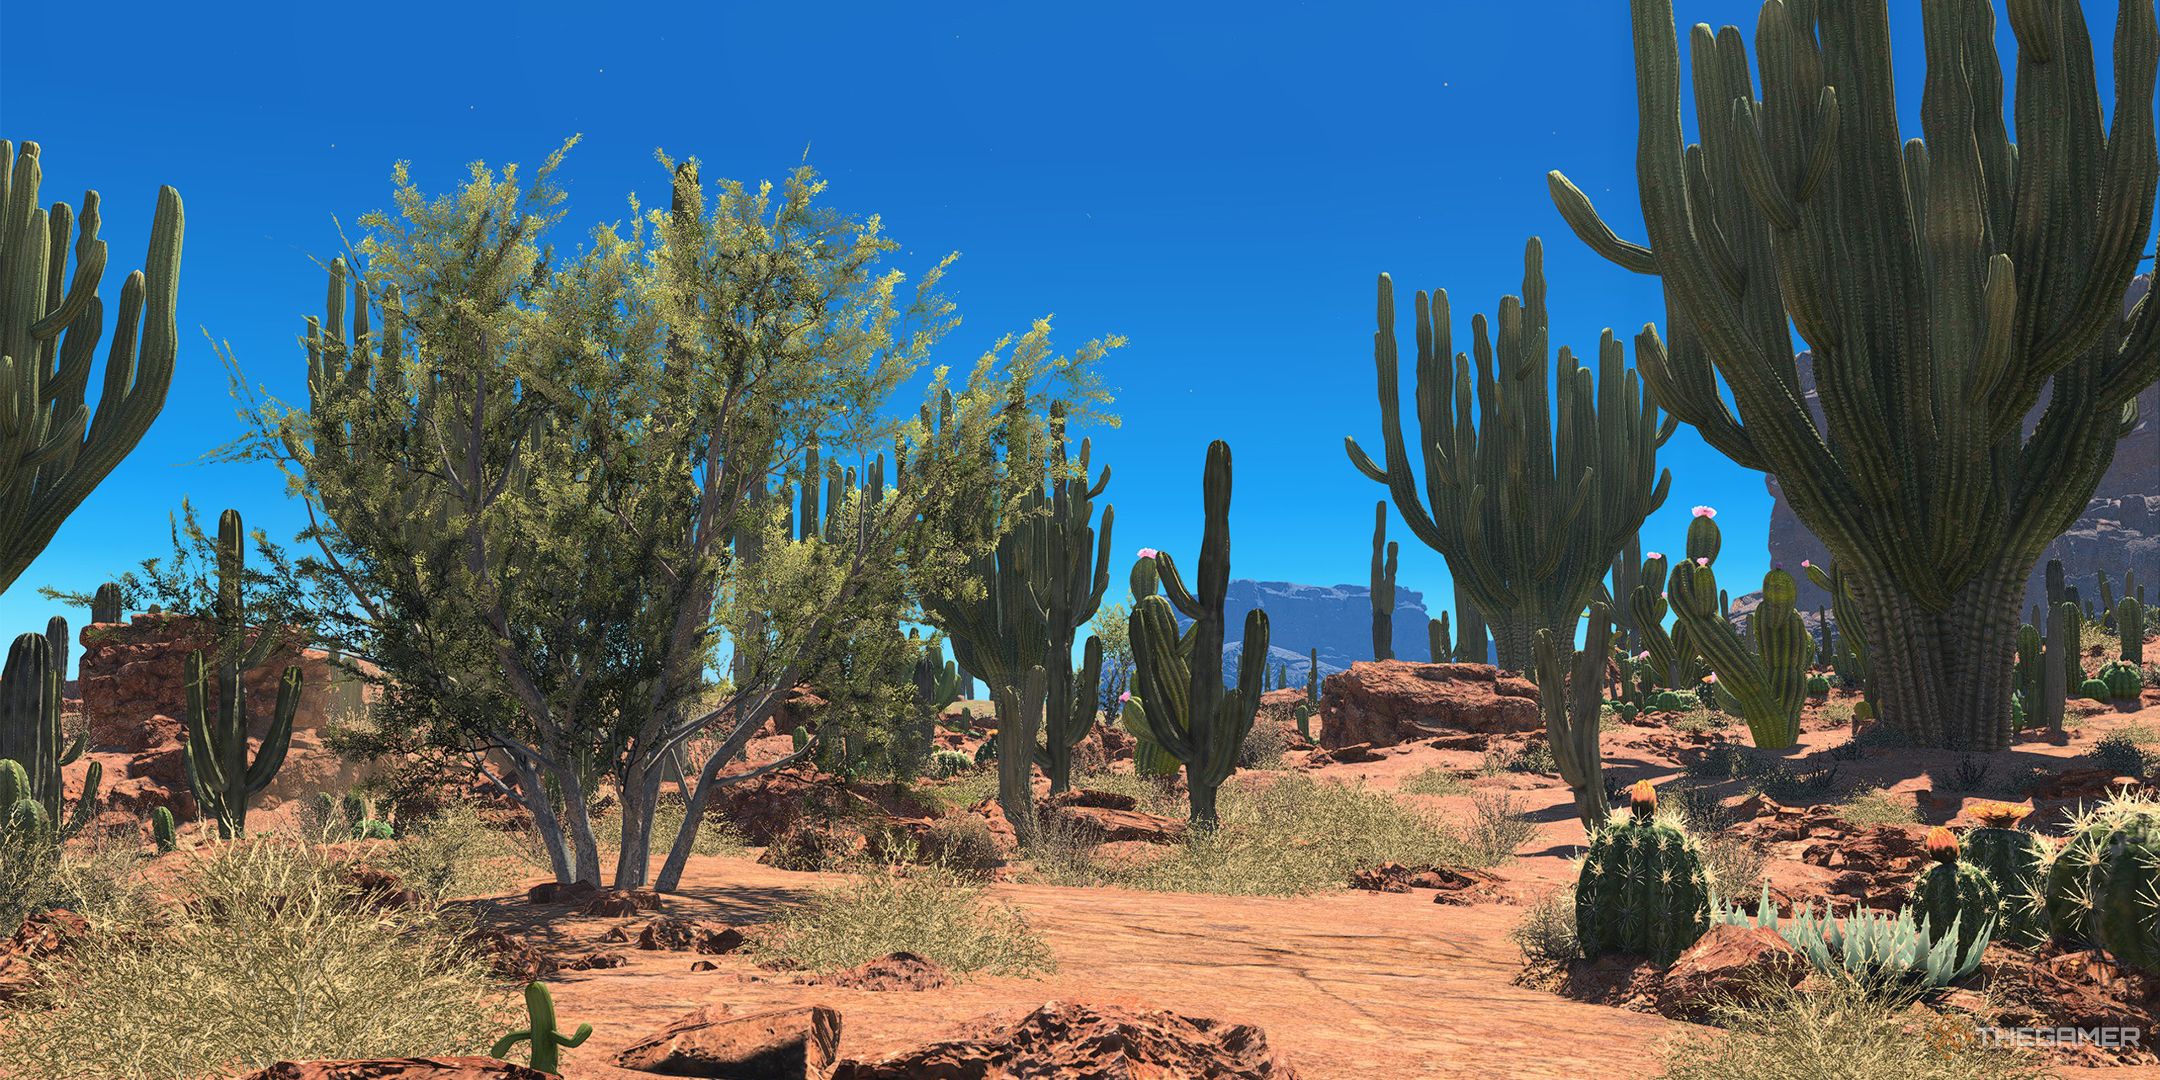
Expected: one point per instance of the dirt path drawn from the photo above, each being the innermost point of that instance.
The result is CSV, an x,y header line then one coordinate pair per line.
x,y
1349,984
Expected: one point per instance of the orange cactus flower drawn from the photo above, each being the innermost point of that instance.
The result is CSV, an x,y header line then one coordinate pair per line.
x,y
1642,798
1942,845
1999,815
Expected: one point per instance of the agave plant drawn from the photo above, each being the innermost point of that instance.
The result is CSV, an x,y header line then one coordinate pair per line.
x,y
1872,945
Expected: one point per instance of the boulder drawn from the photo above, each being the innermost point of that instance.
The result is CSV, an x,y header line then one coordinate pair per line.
x,y
1741,963
616,903
783,1044
1386,702
511,958
1110,825
678,935
893,971
1074,1041
412,1068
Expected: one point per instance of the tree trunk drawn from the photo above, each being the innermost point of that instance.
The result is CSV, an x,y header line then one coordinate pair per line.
x,y
640,799
1201,797
1944,678
533,794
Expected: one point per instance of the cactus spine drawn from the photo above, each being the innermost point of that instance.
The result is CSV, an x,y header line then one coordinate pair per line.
x,y
1182,705
1527,512
49,329
2014,860
1954,893
1570,693
540,1031
1983,289
218,769
1642,890
1383,586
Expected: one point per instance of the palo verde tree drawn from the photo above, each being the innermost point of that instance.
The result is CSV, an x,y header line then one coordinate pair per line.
x,y
1945,285
1528,512
535,474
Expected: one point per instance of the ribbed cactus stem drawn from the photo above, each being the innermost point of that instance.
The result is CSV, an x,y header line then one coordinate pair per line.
x,y
1765,674
1571,695
219,771
1383,586
546,1039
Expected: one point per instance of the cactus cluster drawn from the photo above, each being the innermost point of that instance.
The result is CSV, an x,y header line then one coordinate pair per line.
x,y
32,750
1641,890
1570,685
1181,705
1762,675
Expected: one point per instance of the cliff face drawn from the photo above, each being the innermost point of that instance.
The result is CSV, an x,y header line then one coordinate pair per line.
x,y
1335,619
2119,530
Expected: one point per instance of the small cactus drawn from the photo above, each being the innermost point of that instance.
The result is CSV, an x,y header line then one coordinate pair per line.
x,y
2014,860
163,831
1954,893
2093,690
541,1032
1642,889
2099,887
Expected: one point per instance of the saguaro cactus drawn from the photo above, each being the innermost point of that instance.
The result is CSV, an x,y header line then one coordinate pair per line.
x,y
216,753
56,453
1941,283
30,734
1527,513
1383,586
1182,705
1851,654
546,1039
1570,692
1765,674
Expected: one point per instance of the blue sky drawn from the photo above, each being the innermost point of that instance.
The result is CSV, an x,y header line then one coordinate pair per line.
x,y
1219,183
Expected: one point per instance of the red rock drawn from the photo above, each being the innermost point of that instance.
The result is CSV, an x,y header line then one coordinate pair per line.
x,y
1112,825
790,1043
1107,800
894,971
554,892
42,935
1385,702
617,935
1347,755
703,965
1738,962
2076,784
413,1068
597,961
510,957
1001,830
680,935
1088,1042
616,903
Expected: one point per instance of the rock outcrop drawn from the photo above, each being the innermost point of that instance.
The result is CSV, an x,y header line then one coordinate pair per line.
x,y
1383,703
413,1068
1089,1042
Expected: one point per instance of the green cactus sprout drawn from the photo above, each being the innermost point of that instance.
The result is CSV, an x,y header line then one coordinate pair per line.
x,y
1570,685
1303,715
163,831
49,329
1527,514
546,1039
1953,892
1383,586
216,752
1182,705
1642,890
1818,687
2100,888
1943,283
1765,674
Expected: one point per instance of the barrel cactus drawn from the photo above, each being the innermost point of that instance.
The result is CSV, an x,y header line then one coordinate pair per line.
x,y
2093,690
1953,892
1642,889
2014,860
2124,683
2100,888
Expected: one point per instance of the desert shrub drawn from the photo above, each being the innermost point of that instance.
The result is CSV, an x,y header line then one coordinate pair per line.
x,y
1546,932
272,957
93,875
2123,753
1534,758
1263,746
962,842
949,763
811,847
1838,1030
453,853
933,913
1062,852
1733,863
1497,827
1699,721
1432,780
1970,774
1875,806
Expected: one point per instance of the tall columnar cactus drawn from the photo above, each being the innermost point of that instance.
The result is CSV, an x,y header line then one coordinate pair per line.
x,y
1642,890
2015,860
56,452
1312,676
1528,512
1765,674
546,1039
1182,705
2130,630
105,604
1626,575
1953,892
2058,661
1571,694
1942,284
1437,640
1383,586
1470,638
1673,652
2100,887
2031,665
216,753
30,733
1850,656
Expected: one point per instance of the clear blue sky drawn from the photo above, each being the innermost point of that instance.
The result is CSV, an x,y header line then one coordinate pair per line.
x,y
1218,182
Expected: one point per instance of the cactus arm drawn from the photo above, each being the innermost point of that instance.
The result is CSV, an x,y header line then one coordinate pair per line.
x,y
504,1045
270,757
1570,695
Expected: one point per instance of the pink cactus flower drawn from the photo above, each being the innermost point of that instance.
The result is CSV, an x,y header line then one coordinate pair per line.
x,y
1126,696
1704,511
1657,554
1806,563
1643,655
1710,678
1149,553
1702,562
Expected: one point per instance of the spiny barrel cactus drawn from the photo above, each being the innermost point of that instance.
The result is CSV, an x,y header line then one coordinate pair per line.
x,y
2014,859
2100,888
2124,682
105,604
57,453
2093,690
1642,889
30,734
1953,892
1765,673
546,1039
1182,705
1527,512
1942,283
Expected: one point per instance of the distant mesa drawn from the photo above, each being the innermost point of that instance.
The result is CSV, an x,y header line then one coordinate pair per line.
x,y
1334,619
